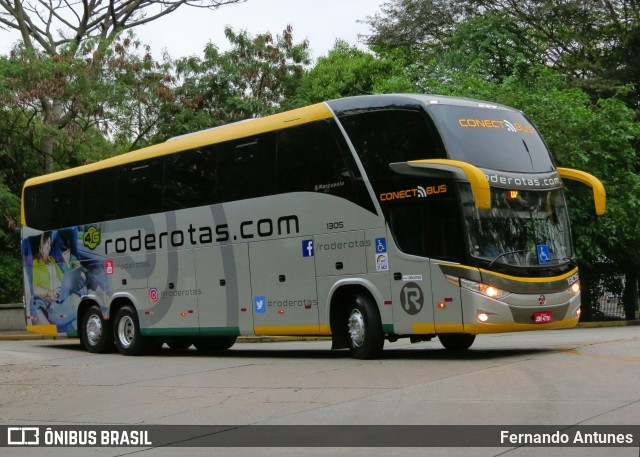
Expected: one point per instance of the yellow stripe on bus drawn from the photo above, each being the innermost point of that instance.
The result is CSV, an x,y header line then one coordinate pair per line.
x,y
423,328
478,329
547,279
48,329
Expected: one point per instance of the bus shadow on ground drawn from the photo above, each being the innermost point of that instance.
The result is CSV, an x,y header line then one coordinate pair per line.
x,y
244,351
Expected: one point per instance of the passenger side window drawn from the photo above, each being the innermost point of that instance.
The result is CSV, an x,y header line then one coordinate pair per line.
x,y
246,168
140,188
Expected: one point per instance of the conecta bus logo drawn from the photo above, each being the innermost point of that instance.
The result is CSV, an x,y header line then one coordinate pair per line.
x,y
495,124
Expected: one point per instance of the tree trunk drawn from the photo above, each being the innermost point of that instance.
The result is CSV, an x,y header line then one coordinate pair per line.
x,y
630,295
54,120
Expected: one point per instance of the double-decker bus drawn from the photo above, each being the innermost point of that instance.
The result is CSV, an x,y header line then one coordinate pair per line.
x,y
364,219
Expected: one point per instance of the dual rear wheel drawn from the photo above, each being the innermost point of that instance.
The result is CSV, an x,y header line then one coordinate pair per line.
x,y
98,335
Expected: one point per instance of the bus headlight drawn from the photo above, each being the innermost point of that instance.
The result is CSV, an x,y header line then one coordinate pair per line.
x,y
484,289
575,288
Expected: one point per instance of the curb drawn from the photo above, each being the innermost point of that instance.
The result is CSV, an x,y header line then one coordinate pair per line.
x,y
608,324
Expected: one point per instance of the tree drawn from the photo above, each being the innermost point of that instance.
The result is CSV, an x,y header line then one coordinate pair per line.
x,y
10,265
596,43
253,78
345,71
61,35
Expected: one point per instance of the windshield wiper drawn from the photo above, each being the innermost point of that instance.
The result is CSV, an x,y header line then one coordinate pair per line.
x,y
508,253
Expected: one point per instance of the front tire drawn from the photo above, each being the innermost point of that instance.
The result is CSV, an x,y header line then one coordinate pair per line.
x,y
364,329
126,332
456,342
95,331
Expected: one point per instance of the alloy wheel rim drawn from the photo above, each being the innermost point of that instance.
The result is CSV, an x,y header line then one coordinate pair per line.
x,y
94,329
356,328
126,331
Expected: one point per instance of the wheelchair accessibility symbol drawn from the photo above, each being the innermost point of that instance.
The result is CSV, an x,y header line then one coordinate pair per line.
x,y
544,254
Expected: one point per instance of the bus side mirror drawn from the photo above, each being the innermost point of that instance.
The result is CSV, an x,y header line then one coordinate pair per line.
x,y
599,194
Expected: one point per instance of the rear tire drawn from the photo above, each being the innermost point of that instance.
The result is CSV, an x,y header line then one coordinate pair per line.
x,y
364,329
126,332
215,343
95,331
456,342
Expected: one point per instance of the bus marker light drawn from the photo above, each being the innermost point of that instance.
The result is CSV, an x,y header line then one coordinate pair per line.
x,y
388,303
448,299
575,287
482,317
578,312
281,311
243,310
442,305
183,314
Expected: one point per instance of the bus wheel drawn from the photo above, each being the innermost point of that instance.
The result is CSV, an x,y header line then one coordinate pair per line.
x,y
95,332
215,343
364,328
128,338
456,341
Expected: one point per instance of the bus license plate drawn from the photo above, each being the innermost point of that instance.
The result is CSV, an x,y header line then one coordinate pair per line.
x,y
542,318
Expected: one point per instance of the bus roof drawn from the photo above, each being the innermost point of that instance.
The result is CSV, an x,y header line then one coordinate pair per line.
x,y
367,102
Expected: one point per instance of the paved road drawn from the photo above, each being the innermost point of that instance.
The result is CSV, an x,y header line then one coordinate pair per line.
x,y
586,376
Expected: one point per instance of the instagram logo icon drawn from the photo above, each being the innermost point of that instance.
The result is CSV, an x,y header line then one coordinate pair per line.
x,y
153,294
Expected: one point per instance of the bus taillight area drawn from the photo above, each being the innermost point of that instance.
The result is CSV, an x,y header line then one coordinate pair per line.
x,y
513,306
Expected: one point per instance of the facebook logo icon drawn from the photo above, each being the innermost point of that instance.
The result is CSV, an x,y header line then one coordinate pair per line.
x,y
307,248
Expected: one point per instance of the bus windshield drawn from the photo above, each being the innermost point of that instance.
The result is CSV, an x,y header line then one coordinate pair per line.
x,y
522,228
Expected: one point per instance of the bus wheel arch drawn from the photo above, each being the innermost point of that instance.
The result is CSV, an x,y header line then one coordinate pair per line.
x,y
94,330
356,322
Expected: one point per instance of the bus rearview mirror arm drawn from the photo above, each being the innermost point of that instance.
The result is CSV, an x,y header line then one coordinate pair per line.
x,y
445,168
599,194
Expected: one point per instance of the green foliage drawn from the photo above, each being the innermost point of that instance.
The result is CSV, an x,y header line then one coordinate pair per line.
x,y
255,77
10,265
345,71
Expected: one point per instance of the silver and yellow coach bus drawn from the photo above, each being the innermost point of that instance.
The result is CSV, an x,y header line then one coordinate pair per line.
x,y
364,219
